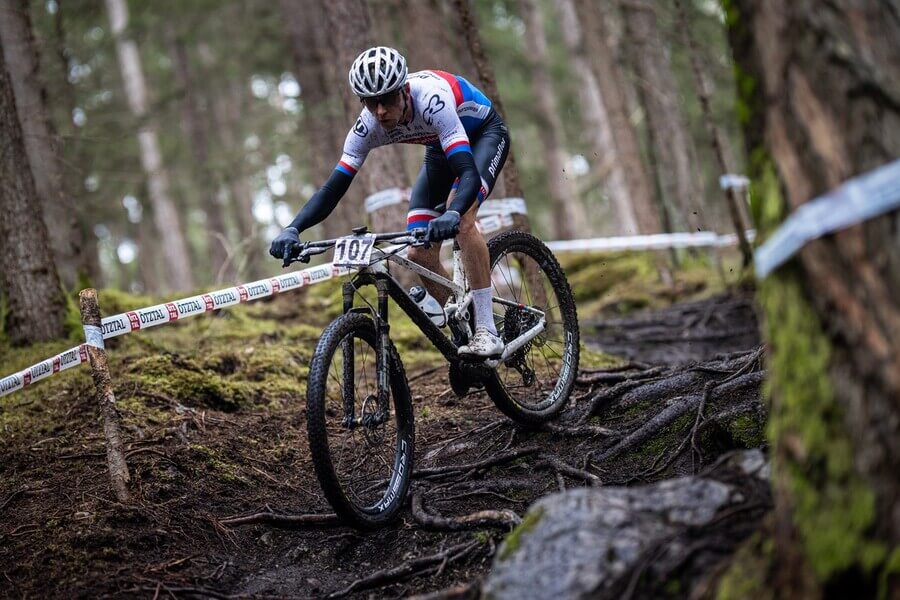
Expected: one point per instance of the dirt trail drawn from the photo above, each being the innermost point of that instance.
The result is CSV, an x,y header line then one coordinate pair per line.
x,y
61,536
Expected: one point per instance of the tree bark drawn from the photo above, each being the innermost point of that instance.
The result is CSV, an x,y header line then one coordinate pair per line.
x,y
570,218
41,142
28,279
324,121
611,83
715,134
488,84
349,25
168,222
194,127
597,121
821,85
673,149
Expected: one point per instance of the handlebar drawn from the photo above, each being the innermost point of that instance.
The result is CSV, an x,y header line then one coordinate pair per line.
x,y
413,238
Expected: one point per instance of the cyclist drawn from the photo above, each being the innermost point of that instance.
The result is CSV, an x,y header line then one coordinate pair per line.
x,y
466,144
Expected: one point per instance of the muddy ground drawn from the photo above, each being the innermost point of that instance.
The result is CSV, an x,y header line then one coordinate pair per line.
x,y
62,535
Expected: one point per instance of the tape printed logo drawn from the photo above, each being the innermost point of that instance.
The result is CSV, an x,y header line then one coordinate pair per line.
x,y
172,310
56,364
7,384
208,301
276,285
134,320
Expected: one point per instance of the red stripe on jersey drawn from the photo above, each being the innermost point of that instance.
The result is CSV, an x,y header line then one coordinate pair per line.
x,y
455,144
454,85
346,166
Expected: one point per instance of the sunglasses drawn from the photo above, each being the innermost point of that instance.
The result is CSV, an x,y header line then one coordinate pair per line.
x,y
389,99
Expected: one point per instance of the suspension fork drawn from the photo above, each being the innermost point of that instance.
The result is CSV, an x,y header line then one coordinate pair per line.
x,y
382,331
348,389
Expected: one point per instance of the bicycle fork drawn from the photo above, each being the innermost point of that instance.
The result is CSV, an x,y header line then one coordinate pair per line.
x,y
375,409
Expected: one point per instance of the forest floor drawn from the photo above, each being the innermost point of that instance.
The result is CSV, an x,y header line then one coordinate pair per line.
x,y
207,456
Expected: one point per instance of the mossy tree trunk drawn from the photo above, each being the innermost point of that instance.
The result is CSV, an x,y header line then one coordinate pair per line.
x,y
820,81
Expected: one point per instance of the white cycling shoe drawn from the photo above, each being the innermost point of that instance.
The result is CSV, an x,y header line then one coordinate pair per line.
x,y
483,344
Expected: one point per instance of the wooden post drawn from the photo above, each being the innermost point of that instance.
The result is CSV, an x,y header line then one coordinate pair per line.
x,y
115,455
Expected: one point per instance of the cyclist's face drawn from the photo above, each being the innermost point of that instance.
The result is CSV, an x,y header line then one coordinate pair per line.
x,y
388,109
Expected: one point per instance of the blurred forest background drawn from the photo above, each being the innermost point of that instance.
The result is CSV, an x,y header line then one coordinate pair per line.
x,y
170,141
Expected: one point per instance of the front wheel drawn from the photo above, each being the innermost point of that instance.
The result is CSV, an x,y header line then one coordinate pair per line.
x,y
361,446
533,385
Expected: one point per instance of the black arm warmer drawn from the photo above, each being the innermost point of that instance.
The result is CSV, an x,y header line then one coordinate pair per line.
x,y
323,202
463,166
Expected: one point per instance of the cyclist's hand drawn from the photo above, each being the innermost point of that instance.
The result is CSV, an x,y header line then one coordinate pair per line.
x,y
444,227
284,243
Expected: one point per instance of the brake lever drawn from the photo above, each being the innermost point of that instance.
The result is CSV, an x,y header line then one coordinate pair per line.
x,y
302,256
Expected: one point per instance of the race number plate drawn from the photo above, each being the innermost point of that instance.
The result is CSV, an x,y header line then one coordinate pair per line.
x,y
354,251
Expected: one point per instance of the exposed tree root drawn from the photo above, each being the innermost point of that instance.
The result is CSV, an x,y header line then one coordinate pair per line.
x,y
501,519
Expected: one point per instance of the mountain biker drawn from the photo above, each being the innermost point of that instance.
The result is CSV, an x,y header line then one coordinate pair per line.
x,y
466,144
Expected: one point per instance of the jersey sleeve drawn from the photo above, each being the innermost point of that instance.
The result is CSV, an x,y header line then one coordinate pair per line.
x,y
359,141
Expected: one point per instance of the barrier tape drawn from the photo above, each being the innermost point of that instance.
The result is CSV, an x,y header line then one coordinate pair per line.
x,y
657,241
856,200
168,312
387,197
62,361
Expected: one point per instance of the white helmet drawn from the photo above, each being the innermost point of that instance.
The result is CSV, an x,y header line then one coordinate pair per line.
x,y
377,71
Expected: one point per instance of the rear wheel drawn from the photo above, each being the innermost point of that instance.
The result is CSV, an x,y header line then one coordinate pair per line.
x,y
533,385
362,447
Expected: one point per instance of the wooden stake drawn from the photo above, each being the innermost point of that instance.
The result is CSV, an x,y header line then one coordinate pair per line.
x,y
115,455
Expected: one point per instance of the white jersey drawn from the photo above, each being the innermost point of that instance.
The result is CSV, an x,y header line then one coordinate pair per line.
x,y
446,110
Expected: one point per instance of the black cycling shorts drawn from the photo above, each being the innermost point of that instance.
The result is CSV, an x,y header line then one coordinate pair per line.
x,y
490,146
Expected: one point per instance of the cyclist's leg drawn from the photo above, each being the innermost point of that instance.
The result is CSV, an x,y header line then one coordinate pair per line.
x,y
425,203
489,151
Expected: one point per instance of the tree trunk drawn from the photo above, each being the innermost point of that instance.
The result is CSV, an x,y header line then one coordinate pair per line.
x,y
35,307
350,25
611,83
820,80
195,129
570,218
715,134
488,84
41,141
245,256
168,222
324,121
598,129
670,139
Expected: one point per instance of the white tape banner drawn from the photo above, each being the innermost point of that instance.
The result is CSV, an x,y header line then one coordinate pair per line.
x,y
864,197
145,318
62,361
503,206
658,241
387,197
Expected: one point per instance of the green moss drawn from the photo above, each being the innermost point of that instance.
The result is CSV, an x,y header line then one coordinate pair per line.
x,y
226,471
514,539
748,572
594,359
891,571
747,431
833,507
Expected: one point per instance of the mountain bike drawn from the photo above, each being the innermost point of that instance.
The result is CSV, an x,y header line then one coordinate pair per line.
x,y
359,407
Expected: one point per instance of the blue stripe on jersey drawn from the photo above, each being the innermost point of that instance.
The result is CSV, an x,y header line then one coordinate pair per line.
x,y
470,92
344,170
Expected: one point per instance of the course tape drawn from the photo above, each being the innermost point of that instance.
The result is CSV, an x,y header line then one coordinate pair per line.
x,y
856,200
657,241
62,361
153,316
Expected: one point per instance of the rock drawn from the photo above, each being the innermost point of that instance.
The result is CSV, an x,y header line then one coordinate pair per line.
x,y
585,543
